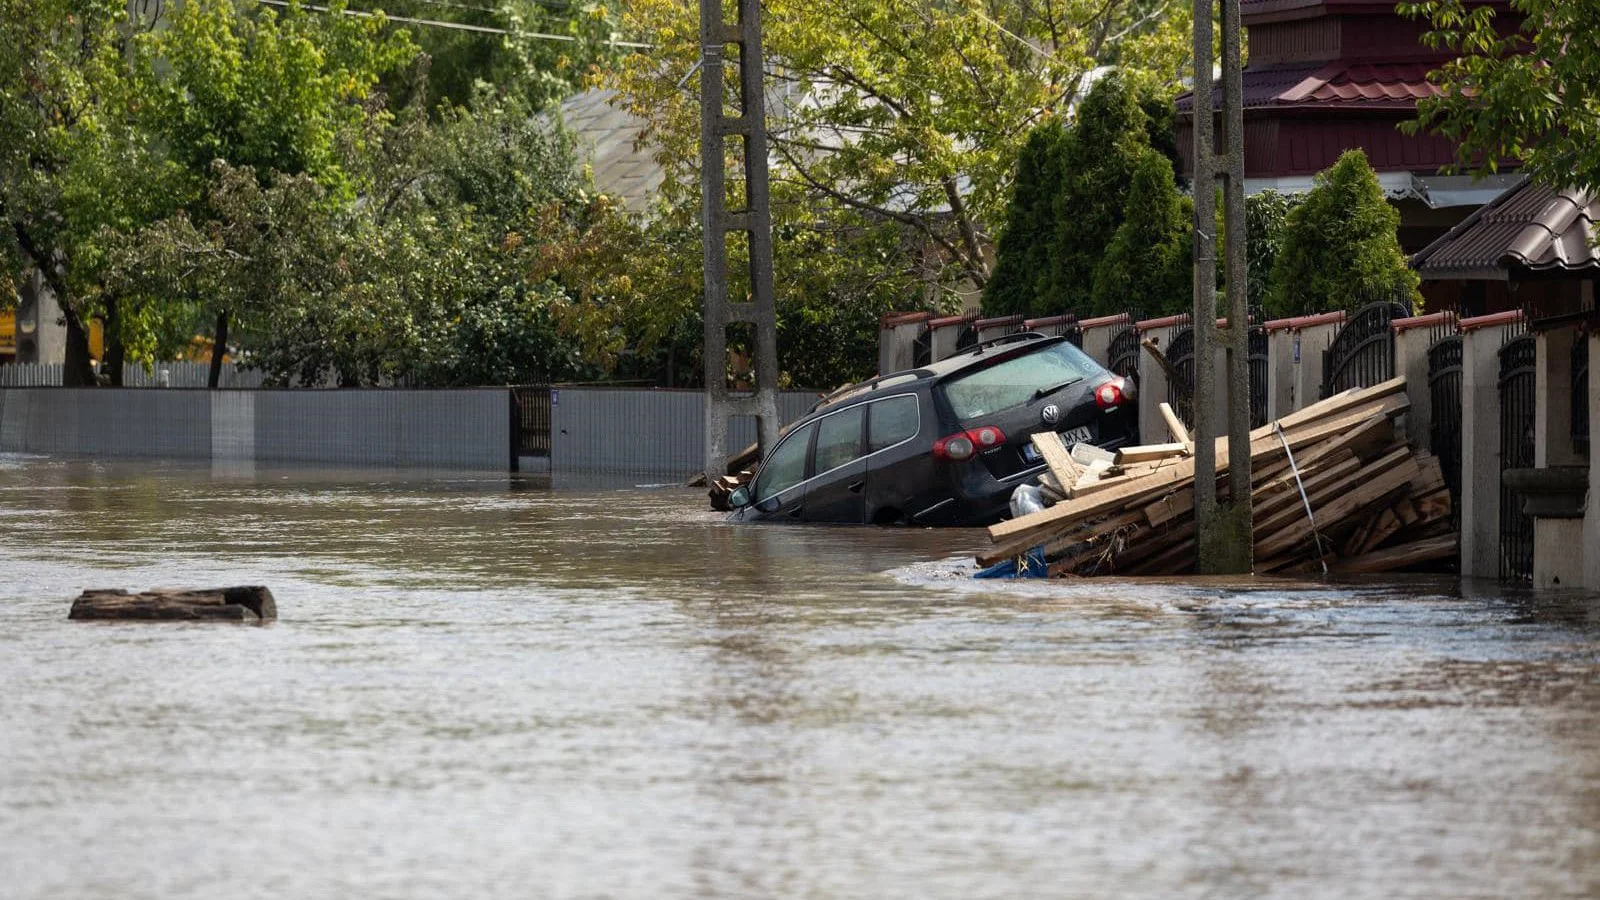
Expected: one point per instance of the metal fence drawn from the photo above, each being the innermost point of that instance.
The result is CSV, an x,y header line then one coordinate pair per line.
x,y
1444,430
1362,353
1518,364
642,431
171,374
1180,381
531,406
1580,391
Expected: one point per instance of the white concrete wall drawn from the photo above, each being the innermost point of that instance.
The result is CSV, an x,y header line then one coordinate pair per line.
x,y
1480,450
1280,372
1591,519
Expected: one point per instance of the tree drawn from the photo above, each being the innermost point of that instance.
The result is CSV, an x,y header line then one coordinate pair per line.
x,y
1340,248
1105,146
1022,265
241,84
906,111
1527,95
1266,217
70,162
1149,260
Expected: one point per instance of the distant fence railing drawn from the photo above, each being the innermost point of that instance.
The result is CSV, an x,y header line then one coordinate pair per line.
x,y
171,374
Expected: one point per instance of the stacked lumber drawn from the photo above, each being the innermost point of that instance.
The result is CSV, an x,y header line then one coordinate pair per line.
x,y
1334,485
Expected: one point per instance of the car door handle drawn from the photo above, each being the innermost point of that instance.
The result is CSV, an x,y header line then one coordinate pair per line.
x,y
856,486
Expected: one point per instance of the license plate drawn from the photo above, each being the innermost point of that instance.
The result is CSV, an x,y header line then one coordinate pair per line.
x,y
1069,437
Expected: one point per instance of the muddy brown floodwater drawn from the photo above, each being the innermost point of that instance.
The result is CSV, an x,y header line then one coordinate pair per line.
x,y
483,688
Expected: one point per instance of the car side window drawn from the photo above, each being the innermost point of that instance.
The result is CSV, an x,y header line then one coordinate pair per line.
x,y
892,421
786,467
839,438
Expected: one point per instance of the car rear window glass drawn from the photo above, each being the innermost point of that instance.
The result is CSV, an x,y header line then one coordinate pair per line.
x,y
973,395
891,421
786,467
839,438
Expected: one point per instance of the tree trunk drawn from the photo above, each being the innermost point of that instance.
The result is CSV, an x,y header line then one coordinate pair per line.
x,y
116,353
219,346
78,370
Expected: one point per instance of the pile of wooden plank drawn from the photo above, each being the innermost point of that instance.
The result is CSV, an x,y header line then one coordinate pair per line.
x,y
1333,487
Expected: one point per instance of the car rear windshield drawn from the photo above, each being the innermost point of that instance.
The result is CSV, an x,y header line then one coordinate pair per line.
x,y
976,394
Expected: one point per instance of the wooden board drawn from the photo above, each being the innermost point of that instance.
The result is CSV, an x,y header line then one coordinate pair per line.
x,y
1175,426
1148,452
1401,556
1153,485
1360,491
1055,455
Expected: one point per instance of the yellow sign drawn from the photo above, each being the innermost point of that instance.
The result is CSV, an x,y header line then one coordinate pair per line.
x,y
8,332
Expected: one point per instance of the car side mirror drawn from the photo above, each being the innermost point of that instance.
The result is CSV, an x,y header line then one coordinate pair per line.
x,y
740,498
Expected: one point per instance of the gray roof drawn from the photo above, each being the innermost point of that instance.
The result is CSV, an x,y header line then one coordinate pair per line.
x,y
1530,227
609,142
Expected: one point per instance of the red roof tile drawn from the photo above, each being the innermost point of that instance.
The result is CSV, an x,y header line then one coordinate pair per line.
x,y
1365,85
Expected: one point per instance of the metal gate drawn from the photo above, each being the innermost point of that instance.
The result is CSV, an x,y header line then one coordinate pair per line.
x,y
1362,353
1180,381
1444,434
532,408
968,335
1122,357
1580,391
1258,374
1517,367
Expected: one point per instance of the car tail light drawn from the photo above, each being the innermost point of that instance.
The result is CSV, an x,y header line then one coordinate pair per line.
x,y
964,445
1112,394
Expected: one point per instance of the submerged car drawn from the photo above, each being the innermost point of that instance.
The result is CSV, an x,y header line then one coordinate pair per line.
x,y
944,444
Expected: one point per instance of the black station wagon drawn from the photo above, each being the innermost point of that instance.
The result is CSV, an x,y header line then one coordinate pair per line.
x,y
944,444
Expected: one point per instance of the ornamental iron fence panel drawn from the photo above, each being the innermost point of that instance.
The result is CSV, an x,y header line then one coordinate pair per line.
x,y
1180,380
1258,373
1362,353
1517,376
1444,433
1580,391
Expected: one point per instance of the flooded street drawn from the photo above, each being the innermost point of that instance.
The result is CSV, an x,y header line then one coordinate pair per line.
x,y
485,688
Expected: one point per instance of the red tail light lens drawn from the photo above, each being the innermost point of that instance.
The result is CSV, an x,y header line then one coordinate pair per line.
x,y
964,445
1112,394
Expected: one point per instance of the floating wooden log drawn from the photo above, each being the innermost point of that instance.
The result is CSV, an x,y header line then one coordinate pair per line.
x,y
252,604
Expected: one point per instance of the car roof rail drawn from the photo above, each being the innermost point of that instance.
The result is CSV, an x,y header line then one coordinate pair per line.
x,y
1004,339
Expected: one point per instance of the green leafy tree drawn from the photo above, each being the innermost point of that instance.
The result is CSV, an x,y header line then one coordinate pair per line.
x,y
1148,262
71,162
1266,217
536,52
1104,147
1340,248
1529,95
1022,264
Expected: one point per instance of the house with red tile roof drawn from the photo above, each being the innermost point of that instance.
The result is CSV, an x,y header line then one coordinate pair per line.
x,y
1326,76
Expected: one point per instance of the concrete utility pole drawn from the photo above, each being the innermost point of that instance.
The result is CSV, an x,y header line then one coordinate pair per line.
x,y
717,221
1225,540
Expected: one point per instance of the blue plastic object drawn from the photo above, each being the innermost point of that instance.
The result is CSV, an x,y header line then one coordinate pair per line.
x,y
1032,565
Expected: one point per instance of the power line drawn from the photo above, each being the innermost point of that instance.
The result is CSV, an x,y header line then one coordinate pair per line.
x,y
461,26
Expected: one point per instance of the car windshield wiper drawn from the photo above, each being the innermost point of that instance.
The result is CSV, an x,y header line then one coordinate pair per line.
x,y
1051,389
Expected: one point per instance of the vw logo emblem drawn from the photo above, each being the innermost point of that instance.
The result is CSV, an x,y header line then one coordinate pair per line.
x,y
1051,414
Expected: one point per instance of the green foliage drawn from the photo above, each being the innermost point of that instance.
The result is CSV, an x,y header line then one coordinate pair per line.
x,y
529,64
1022,263
1340,249
1148,262
1528,96
1266,217
1104,147
261,90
